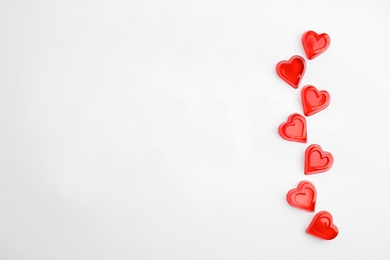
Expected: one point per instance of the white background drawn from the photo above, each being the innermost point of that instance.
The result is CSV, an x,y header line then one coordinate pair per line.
x,y
148,129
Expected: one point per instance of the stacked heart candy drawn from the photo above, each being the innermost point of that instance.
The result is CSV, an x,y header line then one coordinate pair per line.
x,y
294,129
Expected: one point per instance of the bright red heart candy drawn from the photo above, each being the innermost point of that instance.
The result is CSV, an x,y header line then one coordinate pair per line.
x,y
303,197
313,100
322,226
294,129
316,160
315,44
292,71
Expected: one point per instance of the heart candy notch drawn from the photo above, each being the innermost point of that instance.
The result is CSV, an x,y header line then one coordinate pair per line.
x,y
316,160
294,129
303,197
313,100
292,71
322,226
315,44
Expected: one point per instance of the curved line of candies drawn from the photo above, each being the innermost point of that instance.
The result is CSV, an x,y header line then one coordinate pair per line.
x,y
294,129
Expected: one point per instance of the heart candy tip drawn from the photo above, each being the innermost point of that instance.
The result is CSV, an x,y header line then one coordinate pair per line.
x,y
312,209
322,238
303,141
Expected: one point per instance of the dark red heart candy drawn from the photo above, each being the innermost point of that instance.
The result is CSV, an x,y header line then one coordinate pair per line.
x,y
292,71
322,226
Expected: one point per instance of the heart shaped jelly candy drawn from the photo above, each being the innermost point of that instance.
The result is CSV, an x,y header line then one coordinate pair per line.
x,y
292,71
322,226
303,197
294,129
316,160
315,44
313,100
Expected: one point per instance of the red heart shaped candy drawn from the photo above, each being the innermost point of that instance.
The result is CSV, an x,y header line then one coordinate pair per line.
x,y
294,129
322,226
292,71
313,100
315,44
303,197
316,160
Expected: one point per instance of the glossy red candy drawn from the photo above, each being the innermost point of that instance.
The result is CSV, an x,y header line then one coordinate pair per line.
x,y
315,44
292,71
316,160
303,197
313,100
322,226
294,129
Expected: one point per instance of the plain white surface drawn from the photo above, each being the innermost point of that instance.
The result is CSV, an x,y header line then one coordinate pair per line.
x,y
148,129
